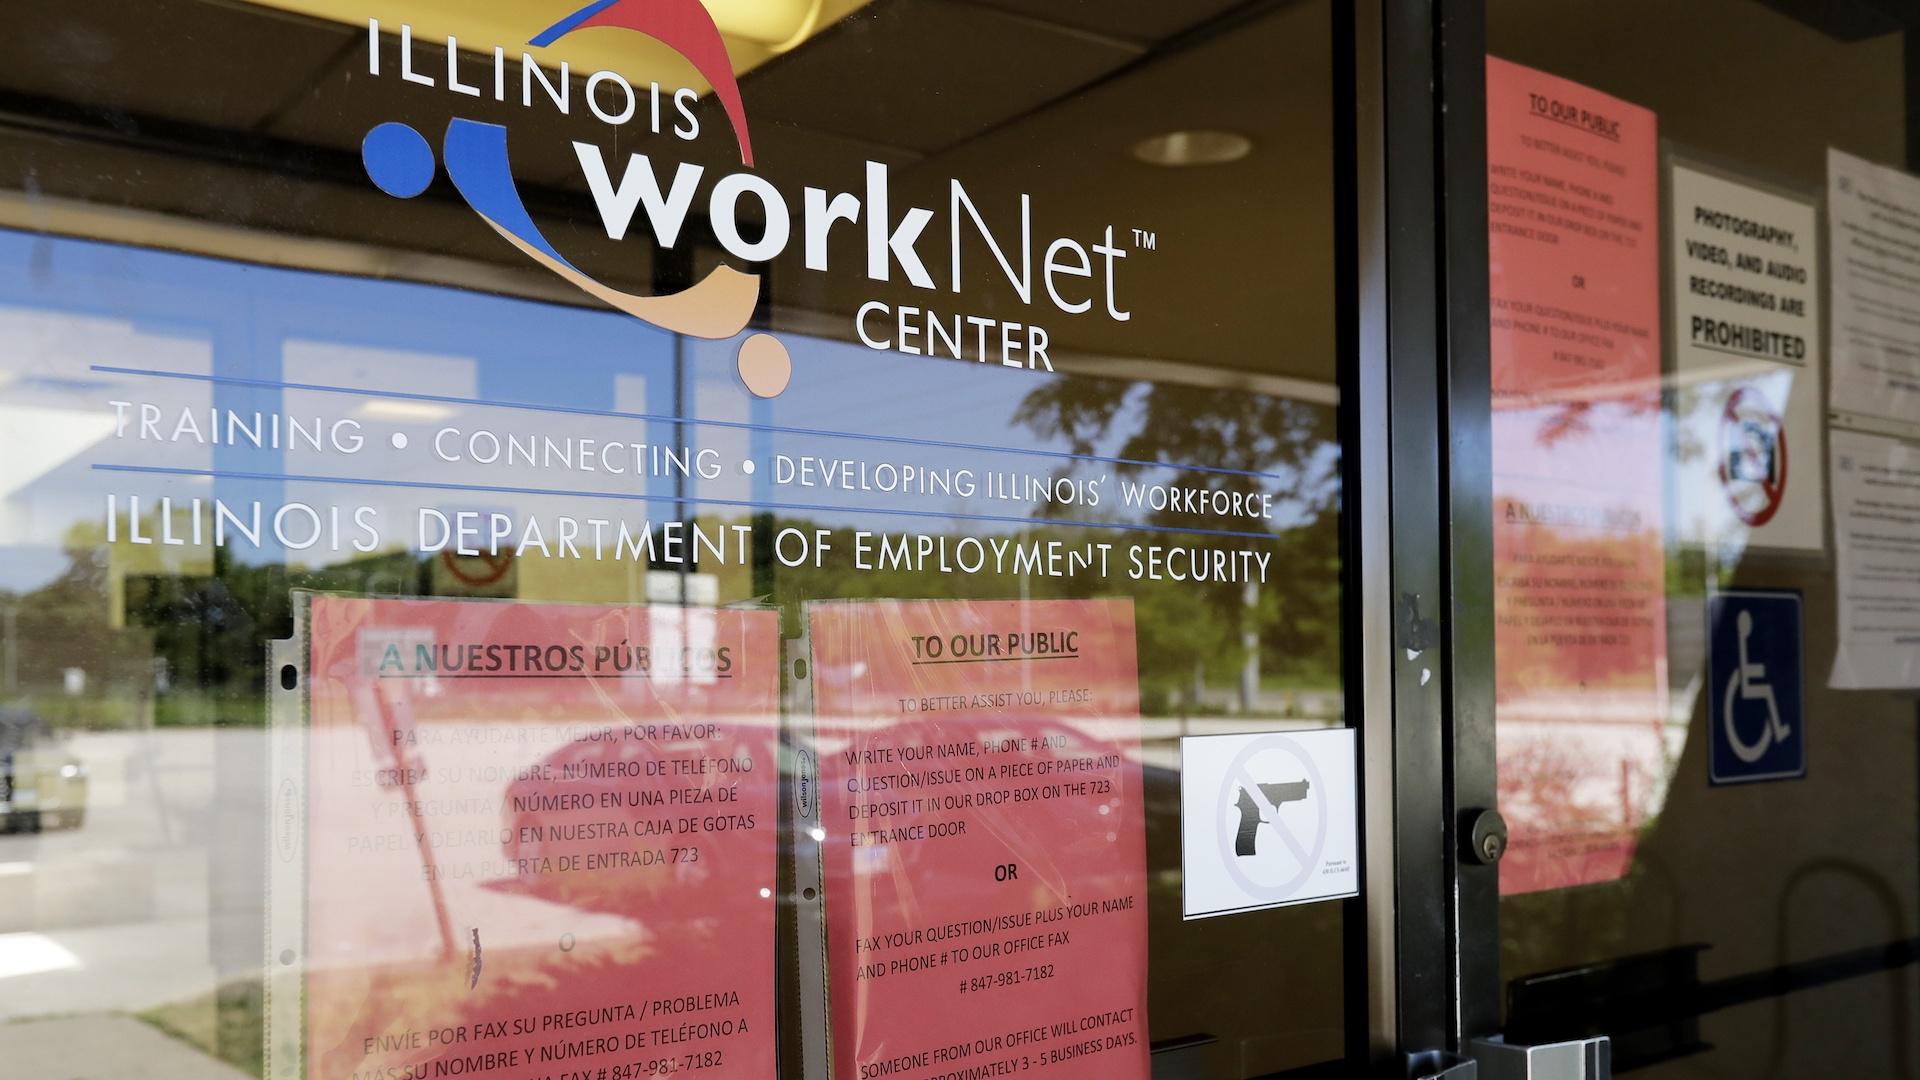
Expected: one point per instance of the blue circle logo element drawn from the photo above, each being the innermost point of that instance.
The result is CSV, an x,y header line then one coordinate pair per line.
x,y
398,160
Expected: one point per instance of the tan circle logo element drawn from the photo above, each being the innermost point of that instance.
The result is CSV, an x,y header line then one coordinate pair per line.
x,y
765,366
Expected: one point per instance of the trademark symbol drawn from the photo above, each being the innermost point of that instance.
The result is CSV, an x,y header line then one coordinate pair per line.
x,y
1143,239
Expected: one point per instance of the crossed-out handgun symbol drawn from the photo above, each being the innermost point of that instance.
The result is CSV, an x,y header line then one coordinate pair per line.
x,y
1245,840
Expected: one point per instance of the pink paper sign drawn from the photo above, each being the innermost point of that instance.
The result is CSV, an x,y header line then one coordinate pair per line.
x,y
985,851
540,837
1579,563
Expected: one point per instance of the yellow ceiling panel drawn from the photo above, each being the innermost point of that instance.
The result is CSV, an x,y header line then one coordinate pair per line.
x,y
755,30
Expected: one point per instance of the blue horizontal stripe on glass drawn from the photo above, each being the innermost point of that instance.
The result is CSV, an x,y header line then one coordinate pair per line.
x,y
735,424
296,478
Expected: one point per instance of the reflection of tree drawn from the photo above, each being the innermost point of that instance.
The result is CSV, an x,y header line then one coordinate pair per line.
x,y
1548,787
63,623
1538,784
202,634
212,630
1576,608
1278,446
1683,444
1220,429
1566,420
66,623
1569,795
1558,421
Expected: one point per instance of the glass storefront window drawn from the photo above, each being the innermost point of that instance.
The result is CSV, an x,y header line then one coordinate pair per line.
x,y
667,538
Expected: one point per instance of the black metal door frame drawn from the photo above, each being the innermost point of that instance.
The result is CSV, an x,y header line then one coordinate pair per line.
x,y
1468,406
1419,475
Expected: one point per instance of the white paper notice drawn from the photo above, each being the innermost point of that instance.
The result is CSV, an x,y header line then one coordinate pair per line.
x,y
1746,334
1876,539
1875,233
1267,820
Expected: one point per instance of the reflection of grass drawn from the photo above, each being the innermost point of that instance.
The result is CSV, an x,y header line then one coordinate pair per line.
x,y
1284,694
88,712
346,1005
225,1024
117,711
195,708
1315,681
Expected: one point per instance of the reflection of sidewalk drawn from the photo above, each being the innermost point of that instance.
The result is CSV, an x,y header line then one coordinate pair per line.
x,y
103,1046
129,967
114,915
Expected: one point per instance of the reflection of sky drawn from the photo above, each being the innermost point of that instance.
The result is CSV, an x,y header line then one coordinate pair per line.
x,y
930,414
88,323
86,306
1603,454
1576,760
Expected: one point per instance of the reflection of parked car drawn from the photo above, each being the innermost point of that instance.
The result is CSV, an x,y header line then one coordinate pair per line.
x,y
41,782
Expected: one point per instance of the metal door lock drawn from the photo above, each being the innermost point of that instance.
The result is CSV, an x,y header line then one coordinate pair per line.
x,y
1486,836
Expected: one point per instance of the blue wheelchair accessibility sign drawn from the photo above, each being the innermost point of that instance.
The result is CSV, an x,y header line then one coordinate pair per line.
x,y
1755,722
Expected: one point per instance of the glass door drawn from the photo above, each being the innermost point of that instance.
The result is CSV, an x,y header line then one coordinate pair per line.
x,y
1691,696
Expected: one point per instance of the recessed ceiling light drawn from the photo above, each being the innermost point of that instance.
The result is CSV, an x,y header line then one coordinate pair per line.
x,y
1178,148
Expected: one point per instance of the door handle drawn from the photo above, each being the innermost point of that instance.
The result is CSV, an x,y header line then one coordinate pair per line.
x,y
1497,1059
1581,1059
1440,1065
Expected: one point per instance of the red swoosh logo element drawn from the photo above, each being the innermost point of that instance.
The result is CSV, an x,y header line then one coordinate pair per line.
x,y
683,26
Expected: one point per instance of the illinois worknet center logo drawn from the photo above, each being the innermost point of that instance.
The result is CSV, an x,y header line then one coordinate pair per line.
x,y
400,162
1058,274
